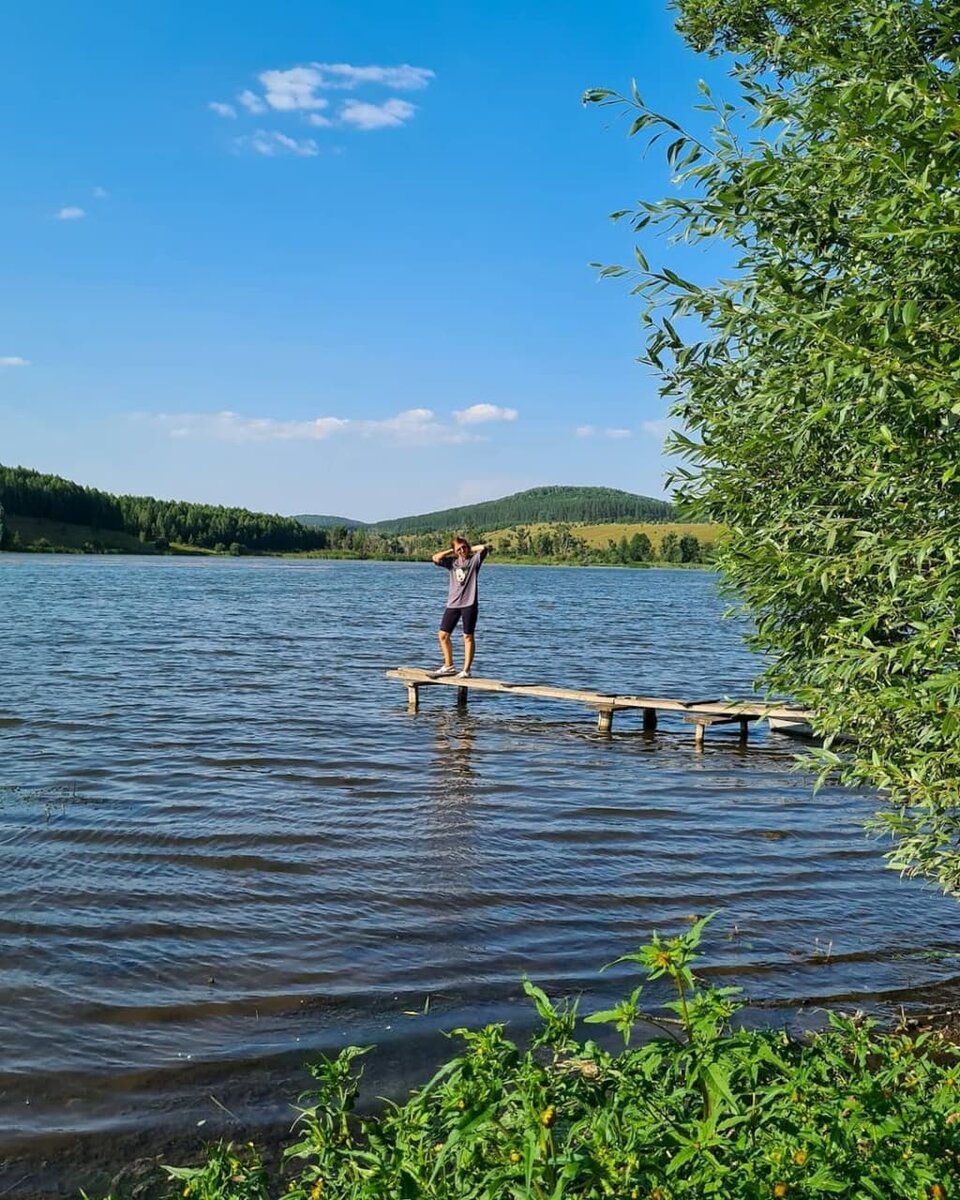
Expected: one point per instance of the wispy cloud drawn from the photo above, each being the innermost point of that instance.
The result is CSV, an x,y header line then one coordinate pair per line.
x,y
251,101
658,428
296,88
414,427
13,360
271,143
100,193
360,114
479,414
299,92
401,79
70,213
588,431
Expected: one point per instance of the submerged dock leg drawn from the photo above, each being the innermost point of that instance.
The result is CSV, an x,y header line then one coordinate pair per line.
x,y
698,731
744,727
605,720
462,697
413,697
649,720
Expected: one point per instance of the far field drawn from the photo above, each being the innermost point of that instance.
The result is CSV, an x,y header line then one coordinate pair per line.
x,y
598,537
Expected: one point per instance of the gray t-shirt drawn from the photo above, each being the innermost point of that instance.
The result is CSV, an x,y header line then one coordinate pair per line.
x,y
462,592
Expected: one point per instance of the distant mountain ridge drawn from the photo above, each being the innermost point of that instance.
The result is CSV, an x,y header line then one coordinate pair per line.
x,y
591,505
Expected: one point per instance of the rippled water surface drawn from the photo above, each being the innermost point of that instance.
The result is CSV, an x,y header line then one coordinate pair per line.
x,y
226,845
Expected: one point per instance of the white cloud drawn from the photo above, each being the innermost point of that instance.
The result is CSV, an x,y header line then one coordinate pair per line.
x,y
14,360
478,414
415,427
100,193
586,431
251,101
658,429
70,213
388,115
403,78
294,89
298,90
271,143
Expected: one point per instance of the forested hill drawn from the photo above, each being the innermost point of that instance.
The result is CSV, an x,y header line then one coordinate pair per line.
x,y
158,523
593,505
319,521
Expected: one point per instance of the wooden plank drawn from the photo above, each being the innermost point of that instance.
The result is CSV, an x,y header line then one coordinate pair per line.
x,y
717,719
608,702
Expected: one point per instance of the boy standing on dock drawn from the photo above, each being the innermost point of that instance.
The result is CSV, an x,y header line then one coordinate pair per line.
x,y
463,562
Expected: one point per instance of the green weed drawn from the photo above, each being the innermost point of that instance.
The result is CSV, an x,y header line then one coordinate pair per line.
x,y
704,1109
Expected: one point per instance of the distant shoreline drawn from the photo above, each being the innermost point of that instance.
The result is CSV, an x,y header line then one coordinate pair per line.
x,y
346,556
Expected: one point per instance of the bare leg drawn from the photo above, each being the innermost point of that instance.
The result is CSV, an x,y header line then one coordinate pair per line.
x,y
469,649
446,648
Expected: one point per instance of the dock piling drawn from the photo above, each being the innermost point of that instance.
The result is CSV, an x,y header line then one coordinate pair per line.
x,y
605,720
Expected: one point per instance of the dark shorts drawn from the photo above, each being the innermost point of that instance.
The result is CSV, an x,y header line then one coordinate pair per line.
x,y
448,622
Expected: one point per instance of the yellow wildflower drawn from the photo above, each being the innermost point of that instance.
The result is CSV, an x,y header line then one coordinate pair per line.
x,y
800,1157
548,1116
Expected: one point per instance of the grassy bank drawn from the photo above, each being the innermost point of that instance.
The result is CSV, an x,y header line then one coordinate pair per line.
x,y
703,1108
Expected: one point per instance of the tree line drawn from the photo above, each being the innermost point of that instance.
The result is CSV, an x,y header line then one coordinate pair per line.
x,y
555,543
158,523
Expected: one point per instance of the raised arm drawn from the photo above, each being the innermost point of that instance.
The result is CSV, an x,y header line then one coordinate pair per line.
x,y
442,555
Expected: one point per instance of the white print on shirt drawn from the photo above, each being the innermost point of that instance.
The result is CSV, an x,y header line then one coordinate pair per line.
x,y
460,574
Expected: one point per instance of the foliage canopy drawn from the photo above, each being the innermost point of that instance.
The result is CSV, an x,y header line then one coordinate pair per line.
x,y
819,390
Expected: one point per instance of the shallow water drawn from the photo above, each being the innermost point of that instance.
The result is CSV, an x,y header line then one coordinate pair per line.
x,y
225,845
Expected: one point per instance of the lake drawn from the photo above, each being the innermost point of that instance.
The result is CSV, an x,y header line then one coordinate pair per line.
x,y
226,846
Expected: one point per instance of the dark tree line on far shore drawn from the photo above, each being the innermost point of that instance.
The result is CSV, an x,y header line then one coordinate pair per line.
x,y
29,493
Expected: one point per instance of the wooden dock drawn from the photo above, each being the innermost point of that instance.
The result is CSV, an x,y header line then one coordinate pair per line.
x,y
702,714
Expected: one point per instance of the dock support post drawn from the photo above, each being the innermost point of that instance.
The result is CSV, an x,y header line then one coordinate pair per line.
x,y
744,727
413,697
649,720
605,720
462,697
698,732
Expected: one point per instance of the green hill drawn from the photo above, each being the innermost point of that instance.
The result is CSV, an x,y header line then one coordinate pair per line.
x,y
594,505
316,521
40,508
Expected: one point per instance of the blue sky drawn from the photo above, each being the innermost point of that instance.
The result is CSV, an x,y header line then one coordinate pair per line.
x,y
328,257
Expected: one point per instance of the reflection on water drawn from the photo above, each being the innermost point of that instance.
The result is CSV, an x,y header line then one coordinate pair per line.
x,y
226,844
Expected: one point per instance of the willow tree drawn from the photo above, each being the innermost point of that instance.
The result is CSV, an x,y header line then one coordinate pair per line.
x,y
819,389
